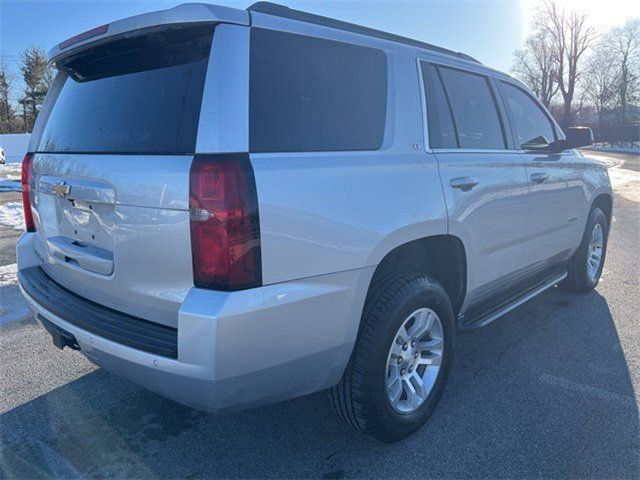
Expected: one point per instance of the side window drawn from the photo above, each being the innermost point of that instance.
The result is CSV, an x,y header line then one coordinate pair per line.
x,y
474,109
531,124
441,131
312,94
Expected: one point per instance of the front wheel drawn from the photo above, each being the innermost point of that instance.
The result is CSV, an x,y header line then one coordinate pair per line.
x,y
585,267
401,360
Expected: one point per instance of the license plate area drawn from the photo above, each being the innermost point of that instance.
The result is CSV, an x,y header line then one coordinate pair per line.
x,y
76,218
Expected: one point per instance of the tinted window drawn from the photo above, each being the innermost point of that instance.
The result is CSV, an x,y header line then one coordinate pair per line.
x,y
474,110
138,95
310,94
441,131
532,126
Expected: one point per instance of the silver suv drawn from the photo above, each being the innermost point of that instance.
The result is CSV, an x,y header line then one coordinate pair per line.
x,y
235,207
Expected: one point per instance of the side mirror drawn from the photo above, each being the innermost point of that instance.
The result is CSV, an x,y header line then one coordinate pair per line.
x,y
579,137
575,137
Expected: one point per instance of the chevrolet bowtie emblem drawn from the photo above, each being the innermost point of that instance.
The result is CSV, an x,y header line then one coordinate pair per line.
x,y
61,188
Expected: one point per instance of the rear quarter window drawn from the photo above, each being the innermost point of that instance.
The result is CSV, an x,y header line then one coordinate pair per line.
x,y
313,94
137,95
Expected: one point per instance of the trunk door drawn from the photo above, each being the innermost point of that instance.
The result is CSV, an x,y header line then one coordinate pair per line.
x,y
115,229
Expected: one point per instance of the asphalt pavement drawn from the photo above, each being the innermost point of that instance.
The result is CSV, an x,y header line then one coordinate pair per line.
x,y
548,391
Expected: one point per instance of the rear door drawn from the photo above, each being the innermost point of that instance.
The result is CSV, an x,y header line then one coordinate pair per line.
x,y
484,181
111,170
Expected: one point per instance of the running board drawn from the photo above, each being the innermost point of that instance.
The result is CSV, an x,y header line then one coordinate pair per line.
x,y
481,321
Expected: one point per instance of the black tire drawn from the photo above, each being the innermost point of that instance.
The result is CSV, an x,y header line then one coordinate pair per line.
x,y
578,279
360,399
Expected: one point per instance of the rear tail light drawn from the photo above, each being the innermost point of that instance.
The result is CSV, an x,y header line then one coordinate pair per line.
x,y
225,230
26,192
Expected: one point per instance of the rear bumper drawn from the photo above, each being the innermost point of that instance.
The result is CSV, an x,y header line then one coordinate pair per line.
x,y
240,349
97,319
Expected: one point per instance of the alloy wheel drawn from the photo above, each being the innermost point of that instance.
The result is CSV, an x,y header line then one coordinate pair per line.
x,y
414,360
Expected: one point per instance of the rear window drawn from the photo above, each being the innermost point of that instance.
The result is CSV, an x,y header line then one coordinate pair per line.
x,y
137,95
312,94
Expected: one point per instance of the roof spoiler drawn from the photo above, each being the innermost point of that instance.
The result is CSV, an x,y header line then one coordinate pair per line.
x,y
182,14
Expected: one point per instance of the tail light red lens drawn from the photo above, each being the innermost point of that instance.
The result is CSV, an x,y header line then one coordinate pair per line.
x,y
26,192
225,229
94,32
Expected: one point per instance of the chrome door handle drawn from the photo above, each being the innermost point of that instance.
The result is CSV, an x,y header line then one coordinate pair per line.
x,y
464,183
539,177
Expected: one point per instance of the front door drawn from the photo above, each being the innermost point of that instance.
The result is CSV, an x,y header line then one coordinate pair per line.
x,y
553,226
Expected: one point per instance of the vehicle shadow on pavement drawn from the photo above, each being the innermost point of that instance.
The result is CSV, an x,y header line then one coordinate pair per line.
x,y
543,392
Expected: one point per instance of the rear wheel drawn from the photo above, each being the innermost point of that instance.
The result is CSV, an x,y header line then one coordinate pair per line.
x,y
401,359
585,267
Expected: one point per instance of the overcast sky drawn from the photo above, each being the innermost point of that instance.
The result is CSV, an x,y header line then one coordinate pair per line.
x,y
489,30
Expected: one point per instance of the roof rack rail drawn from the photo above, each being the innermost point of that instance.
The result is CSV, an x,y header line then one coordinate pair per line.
x,y
286,12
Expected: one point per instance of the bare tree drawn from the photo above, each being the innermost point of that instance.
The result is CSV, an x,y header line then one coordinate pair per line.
x,y
571,36
34,71
625,41
601,78
534,64
7,111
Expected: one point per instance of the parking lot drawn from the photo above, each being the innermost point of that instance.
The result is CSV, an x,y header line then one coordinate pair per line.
x,y
550,390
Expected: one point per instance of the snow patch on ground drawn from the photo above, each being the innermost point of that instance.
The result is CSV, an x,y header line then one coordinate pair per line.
x,y
12,306
626,183
10,171
11,215
8,274
10,177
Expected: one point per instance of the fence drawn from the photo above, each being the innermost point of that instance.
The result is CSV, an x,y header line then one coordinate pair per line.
x,y
620,136
15,145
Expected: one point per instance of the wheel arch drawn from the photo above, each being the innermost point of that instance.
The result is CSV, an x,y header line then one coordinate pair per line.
x,y
605,202
442,257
